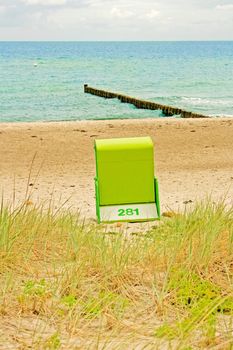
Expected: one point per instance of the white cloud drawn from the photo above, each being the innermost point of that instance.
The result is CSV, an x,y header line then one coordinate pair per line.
x,y
152,14
2,9
225,7
116,19
65,18
121,13
45,2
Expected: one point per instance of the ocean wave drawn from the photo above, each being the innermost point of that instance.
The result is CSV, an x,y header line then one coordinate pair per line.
x,y
195,101
221,115
205,101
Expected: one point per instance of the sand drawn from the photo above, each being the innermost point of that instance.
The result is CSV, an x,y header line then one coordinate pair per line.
x,y
193,158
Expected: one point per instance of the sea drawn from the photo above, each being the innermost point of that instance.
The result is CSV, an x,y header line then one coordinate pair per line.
x,y
43,81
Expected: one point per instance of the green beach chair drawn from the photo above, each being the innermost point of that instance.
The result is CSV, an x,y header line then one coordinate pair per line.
x,y
125,187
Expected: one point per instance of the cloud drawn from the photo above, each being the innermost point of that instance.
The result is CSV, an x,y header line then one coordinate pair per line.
x,y
152,14
45,2
121,13
116,20
65,18
2,9
225,7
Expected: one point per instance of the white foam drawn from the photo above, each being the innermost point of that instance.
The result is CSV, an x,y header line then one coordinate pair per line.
x,y
204,101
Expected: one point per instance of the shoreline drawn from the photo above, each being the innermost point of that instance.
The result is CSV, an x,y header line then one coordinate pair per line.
x,y
211,117
193,159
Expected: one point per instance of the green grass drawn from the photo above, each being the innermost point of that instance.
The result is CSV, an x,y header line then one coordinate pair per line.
x,y
67,284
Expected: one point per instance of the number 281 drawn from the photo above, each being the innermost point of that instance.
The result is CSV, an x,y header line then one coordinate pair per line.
x,y
128,212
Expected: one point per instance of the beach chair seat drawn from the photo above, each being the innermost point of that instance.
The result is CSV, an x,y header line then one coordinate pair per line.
x,y
125,187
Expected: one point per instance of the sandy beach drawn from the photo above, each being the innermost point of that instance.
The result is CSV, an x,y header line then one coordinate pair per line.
x,y
193,158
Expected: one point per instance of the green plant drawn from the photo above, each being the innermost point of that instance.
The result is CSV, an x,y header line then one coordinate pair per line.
x,y
171,284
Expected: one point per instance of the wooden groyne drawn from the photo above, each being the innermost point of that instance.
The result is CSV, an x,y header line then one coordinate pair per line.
x,y
143,104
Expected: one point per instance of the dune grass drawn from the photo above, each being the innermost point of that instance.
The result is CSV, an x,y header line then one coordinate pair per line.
x,y
68,284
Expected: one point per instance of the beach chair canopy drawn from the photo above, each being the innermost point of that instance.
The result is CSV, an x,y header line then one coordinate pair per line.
x,y
125,187
125,170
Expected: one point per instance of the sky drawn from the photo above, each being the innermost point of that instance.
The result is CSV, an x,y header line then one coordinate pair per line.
x,y
116,20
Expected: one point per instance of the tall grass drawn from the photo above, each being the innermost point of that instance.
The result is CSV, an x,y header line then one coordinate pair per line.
x,y
67,284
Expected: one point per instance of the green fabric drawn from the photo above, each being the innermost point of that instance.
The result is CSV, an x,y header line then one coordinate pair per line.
x,y
125,170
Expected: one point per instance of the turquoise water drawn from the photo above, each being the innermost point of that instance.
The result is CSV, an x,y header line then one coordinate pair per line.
x,y
44,80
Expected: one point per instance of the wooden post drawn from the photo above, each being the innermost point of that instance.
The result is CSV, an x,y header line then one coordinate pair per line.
x,y
142,104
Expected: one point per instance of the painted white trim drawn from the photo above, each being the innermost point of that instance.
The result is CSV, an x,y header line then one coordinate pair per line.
x,y
145,211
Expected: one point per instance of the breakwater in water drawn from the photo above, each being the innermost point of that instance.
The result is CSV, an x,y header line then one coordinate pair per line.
x,y
143,104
